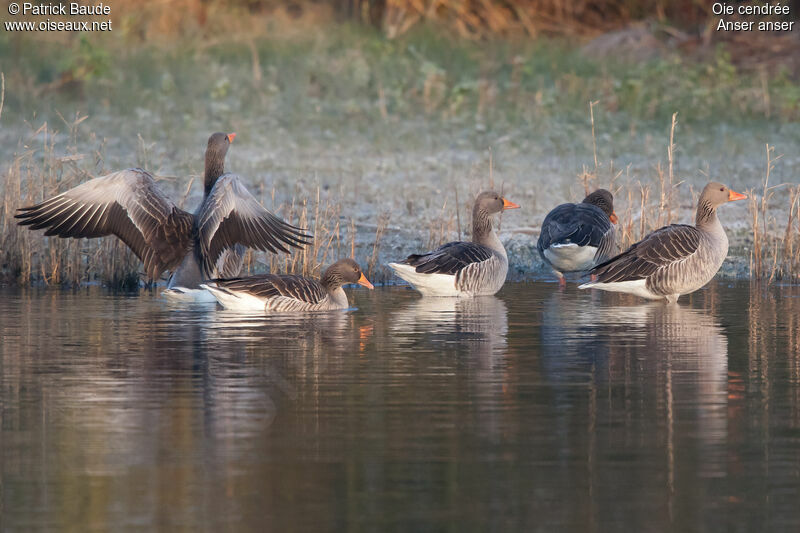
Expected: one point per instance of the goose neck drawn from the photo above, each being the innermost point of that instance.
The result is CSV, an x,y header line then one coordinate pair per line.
x,y
483,233
706,218
215,167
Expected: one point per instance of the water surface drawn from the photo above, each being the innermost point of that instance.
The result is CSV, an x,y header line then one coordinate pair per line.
x,y
533,410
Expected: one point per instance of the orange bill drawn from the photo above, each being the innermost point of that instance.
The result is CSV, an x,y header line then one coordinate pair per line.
x,y
231,137
509,205
733,195
613,218
365,282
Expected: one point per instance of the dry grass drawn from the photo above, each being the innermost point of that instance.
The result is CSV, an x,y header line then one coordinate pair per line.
x,y
651,204
775,253
638,212
471,19
2,92
40,173
323,218
476,19
29,257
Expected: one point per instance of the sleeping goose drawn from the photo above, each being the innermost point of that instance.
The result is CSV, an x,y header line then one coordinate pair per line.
x,y
474,268
674,260
576,237
287,293
198,246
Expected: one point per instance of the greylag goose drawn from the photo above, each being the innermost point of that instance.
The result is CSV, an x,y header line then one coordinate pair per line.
x,y
576,237
474,268
674,260
287,293
198,246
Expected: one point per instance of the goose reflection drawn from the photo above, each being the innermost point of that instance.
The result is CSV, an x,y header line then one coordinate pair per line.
x,y
690,341
257,362
599,358
465,340
279,329
479,325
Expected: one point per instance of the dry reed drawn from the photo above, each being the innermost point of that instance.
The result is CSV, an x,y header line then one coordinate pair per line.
x,y
640,215
480,18
39,173
774,254
2,92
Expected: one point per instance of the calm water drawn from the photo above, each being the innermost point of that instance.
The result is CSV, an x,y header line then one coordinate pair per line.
x,y
532,410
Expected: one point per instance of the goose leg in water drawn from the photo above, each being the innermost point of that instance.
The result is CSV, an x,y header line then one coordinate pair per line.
x,y
562,281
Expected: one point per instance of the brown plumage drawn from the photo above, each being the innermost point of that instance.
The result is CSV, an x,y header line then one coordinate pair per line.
x,y
127,204
275,292
130,205
463,268
673,260
230,215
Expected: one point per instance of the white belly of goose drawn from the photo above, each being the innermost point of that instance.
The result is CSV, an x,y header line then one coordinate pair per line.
x,y
237,301
182,294
477,279
246,302
637,287
427,284
570,257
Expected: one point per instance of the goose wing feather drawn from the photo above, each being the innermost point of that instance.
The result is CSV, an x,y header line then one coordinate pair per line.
x,y
127,204
230,262
268,286
449,258
581,224
231,215
662,249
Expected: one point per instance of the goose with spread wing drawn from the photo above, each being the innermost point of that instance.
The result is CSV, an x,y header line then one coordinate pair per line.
x,y
674,260
576,237
289,293
476,268
207,244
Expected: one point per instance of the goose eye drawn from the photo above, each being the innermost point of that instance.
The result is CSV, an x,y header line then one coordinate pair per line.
x,y
722,189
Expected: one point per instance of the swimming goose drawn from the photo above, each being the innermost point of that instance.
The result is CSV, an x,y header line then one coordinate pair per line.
x,y
198,246
674,260
576,237
287,293
474,268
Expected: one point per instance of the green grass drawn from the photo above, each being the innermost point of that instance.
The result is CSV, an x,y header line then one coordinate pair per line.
x,y
341,71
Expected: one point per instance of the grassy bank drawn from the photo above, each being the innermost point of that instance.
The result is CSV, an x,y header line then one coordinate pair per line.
x,y
378,145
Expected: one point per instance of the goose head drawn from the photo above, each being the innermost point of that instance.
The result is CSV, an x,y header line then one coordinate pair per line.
x,y
605,201
490,203
216,150
343,272
715,194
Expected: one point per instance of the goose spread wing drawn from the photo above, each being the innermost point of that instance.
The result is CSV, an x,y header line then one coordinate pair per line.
x,y
231,215
230,262
127,204
449,258
662,249
581,224
267,286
